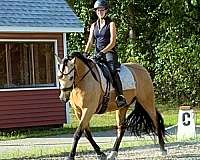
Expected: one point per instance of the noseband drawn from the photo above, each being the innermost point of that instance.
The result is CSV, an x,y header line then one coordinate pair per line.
x,y
69,89
65,74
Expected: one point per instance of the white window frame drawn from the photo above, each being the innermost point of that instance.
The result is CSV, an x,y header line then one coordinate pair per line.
x,y
56,63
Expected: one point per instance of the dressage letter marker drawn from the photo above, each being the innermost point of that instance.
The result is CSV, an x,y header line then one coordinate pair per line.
x,y
186,124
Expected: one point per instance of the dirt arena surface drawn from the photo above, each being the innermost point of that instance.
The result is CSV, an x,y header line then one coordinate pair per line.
x,y
189,150
176,151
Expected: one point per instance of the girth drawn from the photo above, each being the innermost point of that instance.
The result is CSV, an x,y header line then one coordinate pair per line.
x,y
106,97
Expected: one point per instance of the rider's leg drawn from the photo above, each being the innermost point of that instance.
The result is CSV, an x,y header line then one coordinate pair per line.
x,y
120,99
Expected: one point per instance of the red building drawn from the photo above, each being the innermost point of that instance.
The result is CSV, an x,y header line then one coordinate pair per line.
x,y
31,32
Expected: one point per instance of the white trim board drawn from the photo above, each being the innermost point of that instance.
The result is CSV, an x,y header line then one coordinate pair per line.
x,y
65,44
41,29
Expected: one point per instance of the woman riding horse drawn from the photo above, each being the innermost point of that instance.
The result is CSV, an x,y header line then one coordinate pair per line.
x,y
103,31
80,82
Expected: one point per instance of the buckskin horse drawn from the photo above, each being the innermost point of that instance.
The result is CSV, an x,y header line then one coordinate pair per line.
x,y
80,84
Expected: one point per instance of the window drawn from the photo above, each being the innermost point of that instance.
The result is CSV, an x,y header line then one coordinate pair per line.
x,y
25,65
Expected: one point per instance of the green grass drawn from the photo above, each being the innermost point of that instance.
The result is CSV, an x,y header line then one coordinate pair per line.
x,y
170,114
98,123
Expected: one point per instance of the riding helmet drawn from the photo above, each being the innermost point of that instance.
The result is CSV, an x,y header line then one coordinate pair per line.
x,y
101,3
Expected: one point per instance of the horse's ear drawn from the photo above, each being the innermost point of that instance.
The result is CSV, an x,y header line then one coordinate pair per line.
x,y
59,60
72,61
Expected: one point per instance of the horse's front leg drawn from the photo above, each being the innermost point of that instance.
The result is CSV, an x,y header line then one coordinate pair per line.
x,y
77,136
100,154
120,117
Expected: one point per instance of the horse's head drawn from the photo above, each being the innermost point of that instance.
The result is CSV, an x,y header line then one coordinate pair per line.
x,y
67,72
66,75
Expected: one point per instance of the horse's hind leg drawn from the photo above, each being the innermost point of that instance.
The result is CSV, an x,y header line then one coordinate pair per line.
x,y
84,116
157,121
161,130
77,136
100,154
120,117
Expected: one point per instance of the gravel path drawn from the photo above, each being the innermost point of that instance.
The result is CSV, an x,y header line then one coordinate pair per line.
x,y
176,151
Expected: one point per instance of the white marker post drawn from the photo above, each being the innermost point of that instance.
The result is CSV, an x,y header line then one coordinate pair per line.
x,y
186,123
68,113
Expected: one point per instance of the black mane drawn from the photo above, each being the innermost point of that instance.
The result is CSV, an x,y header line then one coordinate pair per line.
x,y
88,62
80,56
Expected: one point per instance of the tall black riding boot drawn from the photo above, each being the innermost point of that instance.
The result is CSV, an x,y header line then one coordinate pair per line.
x,y
120,99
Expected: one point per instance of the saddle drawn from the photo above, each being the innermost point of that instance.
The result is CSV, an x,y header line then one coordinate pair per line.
x,y
126,77
106,72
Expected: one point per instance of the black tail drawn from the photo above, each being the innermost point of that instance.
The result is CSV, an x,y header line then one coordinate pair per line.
x,y
161,125
139,122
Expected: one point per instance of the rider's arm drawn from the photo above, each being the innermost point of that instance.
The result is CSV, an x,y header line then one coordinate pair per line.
x,y
112,38
90,39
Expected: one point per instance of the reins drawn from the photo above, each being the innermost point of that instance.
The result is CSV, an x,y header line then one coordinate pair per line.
x,y
74,69
65,74
84,75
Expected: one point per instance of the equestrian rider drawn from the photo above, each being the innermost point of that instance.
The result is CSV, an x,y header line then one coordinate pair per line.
x,y
103,31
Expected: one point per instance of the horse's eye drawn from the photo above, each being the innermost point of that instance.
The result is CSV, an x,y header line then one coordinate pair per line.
x,y
60,76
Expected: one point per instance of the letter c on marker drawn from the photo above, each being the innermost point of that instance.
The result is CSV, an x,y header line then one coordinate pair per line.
x,y
185,116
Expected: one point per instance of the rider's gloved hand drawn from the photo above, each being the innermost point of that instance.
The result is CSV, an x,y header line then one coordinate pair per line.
x,y
100,56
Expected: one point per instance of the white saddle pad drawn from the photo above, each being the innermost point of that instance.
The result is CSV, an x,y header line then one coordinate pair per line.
x,y
127,79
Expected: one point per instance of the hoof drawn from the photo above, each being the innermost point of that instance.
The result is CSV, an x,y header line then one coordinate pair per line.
x,y
101,156
164,152
70,157
113,155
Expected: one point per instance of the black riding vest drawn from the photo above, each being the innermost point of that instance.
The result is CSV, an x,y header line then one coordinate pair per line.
x,y
102,37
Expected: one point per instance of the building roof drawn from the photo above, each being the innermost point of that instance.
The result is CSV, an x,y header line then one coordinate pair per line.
x,y
38,16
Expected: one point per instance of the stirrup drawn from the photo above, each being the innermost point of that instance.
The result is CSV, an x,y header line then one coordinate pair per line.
x,y
121,101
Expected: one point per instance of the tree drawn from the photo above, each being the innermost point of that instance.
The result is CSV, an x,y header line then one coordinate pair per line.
x,y
165,39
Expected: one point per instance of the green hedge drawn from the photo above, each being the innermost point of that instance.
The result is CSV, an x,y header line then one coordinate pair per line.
x,y
178,69
166,37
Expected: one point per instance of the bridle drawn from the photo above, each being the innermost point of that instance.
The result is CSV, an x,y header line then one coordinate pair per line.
x,y
69,89
66,89
65,74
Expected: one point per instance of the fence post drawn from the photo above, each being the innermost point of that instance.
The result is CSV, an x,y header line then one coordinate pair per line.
x,y
186,123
